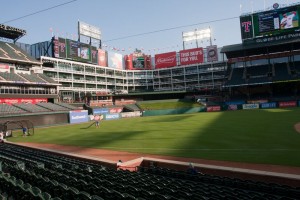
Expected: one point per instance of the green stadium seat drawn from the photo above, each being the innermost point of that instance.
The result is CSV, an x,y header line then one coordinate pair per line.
x,y
45,196
96,197
36,191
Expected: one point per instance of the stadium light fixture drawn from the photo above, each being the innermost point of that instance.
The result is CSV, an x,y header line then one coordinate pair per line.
x,y
196,35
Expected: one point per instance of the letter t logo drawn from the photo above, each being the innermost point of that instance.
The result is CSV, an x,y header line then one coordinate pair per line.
x,y
246,26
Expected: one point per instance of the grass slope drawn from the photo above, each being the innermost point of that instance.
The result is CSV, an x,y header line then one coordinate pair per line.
x,y
168,105
254,136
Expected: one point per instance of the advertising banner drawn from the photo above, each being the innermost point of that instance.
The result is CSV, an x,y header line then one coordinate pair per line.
x,y
115,110
4,68
131,114
232,107
59,47
100,111
22,100
234,102
191,56
258,101
115,60
94,55
89,30
212,53
268,105
102,58
138,62
213,108
128,62
165,60
112,116
246,27
286,104
78,116
78,51
250,106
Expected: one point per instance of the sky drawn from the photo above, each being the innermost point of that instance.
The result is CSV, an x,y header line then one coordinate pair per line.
x,y
153,26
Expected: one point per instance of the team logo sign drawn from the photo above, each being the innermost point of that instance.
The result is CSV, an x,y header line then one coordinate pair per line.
x,y
275,5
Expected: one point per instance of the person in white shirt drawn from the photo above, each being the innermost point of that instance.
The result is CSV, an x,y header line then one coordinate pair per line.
x,y
287,20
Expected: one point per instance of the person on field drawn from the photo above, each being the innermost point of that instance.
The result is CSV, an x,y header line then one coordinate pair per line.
x,y
97,119
24,130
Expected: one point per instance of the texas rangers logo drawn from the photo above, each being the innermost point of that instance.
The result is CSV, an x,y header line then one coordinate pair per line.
x,y
246,25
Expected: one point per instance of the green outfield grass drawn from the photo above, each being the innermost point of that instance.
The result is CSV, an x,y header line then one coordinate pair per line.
x,y
253,136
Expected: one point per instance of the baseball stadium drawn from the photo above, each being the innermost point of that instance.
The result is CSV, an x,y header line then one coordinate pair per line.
x,y
207,123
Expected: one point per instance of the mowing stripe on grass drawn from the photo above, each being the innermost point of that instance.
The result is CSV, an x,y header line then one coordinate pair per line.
x,y
172,149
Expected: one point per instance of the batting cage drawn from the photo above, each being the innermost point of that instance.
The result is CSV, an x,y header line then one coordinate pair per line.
x,y
17,126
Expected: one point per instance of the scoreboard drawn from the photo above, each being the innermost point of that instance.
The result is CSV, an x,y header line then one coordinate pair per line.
x,y
266,26
74,50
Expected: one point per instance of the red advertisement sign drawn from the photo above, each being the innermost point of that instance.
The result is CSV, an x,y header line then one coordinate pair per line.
x,y
133,62
213,108
165,60
128,62
22,100
285,104
115,110
212,53
4,68
191,56
102,60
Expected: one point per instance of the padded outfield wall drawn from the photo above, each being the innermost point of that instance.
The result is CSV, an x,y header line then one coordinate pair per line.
x,y
173,111
40,119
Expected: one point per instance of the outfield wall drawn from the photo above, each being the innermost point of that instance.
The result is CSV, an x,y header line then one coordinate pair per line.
x,y
173,111
40,119
80,116
259,105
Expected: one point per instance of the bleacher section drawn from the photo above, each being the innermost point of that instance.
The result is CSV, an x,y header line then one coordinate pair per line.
x,y
12,77
46,78
258,74
53,107
9,50
258,71
34,174
132,107
237,77
263,74
20,77
281,72
31,107
6,109
67,106
32,78
19,108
